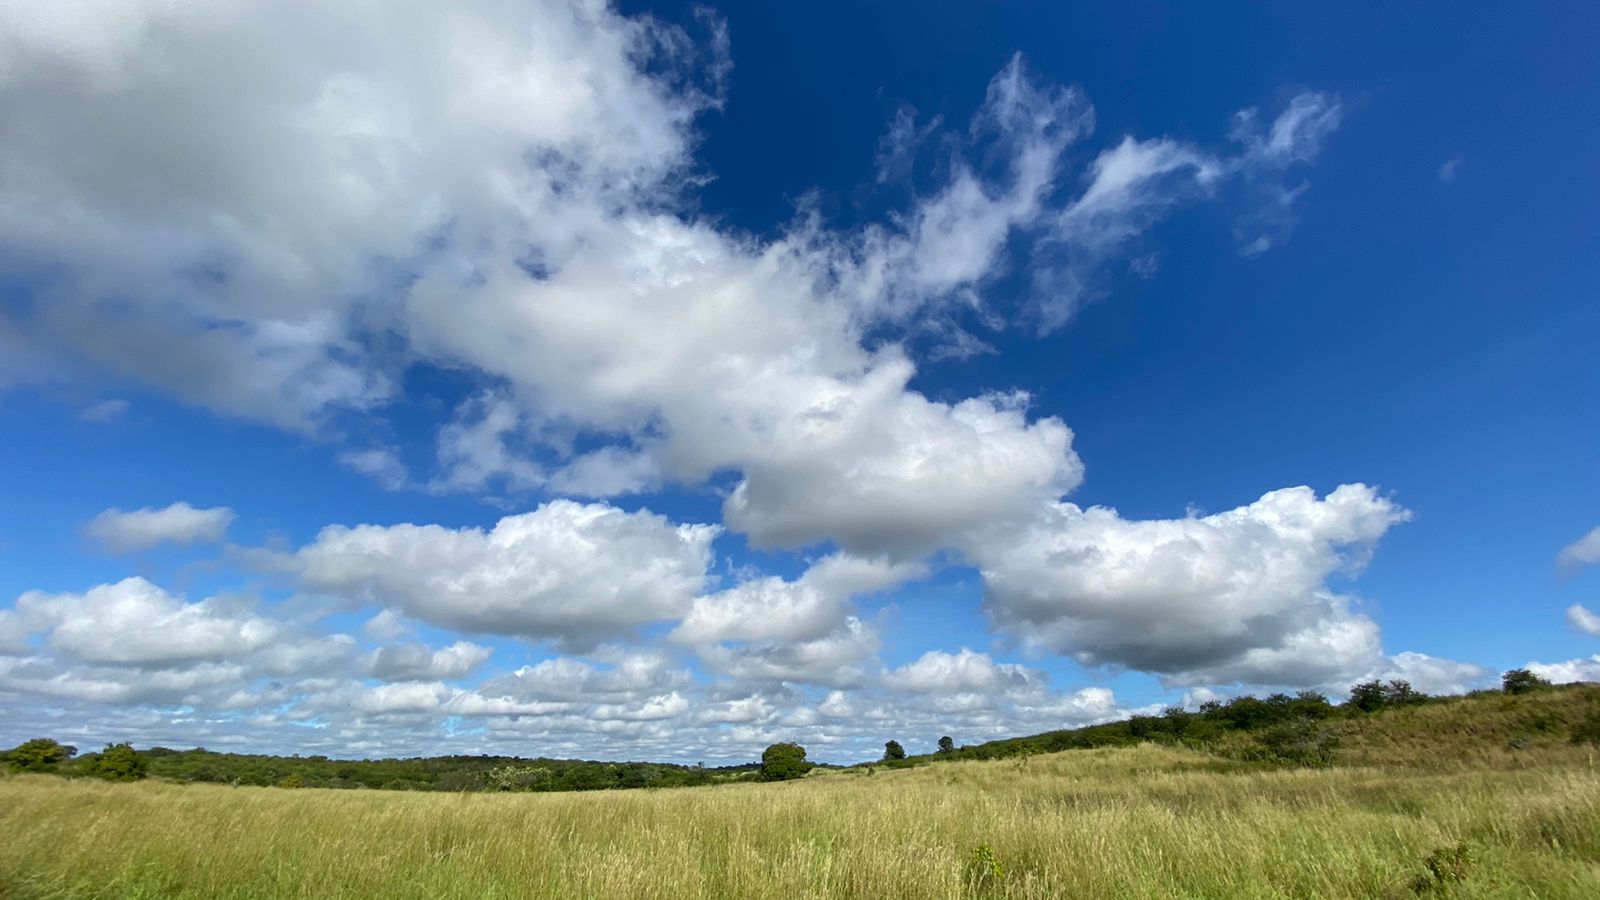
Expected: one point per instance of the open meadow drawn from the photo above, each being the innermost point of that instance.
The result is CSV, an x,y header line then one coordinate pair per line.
x,y
1146,821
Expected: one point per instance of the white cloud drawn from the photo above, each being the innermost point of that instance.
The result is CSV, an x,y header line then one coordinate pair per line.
x,y
523,168
105,411
380,464
1581,552
46,678
279,211
418,662
767,609
13,633
937,672
231,174
473,452
1569,671
1295,137
566,571
134,621
1432,675
666,706
837,659
141,529
1581,618
1447,170
744,710
1240,595
402,697
385,625
575,680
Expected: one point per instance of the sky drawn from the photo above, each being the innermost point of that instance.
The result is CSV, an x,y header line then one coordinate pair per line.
x,y
658,382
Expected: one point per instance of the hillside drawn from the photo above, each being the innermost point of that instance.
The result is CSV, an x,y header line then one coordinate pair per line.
x,y
1546,724
1149,821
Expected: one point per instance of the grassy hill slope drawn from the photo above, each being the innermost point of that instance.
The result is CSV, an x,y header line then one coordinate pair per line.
x,y
1476,797
1140,822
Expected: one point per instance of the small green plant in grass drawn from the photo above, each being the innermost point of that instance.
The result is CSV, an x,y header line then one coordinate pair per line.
x,y
1445,868
984,868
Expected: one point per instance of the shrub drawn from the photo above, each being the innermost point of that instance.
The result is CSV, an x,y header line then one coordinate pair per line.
x,y
38,755
1521,681
1368,696
1587,729
1309,705
1293,743
119,762
984,869
1400,692
893,750
1445,868
781,762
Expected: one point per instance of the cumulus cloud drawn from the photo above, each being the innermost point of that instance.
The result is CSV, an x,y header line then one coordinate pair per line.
x,y
141,529
966,671
13,633
232,175
1236,596
1433,675
573,680
419,662
566,571
1582,552
281,211
134,621
802,631
1568,671
836,659
294,257
1579,617
807,608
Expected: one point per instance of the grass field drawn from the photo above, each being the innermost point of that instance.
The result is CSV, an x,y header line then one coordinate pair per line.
x,y
1148,821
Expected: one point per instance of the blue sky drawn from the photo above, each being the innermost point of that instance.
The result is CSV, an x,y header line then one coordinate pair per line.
x,y
704,378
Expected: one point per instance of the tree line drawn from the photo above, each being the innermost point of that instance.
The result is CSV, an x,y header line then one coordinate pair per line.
x,y
1282,728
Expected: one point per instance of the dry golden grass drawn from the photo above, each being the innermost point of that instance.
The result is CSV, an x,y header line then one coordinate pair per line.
x,y
1153,822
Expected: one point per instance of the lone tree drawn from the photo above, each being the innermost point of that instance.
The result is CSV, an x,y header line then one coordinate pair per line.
x,y
1369,696
781,762
1521,681
893,750
119,762
38,755
946,745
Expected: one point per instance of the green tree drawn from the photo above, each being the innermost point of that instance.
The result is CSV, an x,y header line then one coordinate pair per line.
x,y
1521,681
1400,692
119,762
893,750
946,745
38,755
1369,696
781,762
